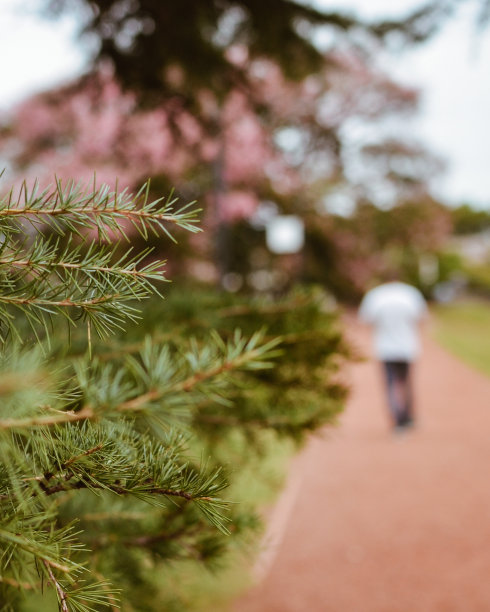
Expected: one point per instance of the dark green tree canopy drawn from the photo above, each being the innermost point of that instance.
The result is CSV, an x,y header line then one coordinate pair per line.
x,y
163,48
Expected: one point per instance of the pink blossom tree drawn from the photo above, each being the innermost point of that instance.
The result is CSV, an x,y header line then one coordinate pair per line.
x,y
279,140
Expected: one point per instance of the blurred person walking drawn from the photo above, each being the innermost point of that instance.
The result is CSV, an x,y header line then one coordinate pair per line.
x,y
394,310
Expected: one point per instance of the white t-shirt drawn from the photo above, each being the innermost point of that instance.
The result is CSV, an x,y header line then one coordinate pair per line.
x,y
394,310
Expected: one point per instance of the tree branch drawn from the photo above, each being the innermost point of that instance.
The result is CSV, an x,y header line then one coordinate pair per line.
x,y
114,488
130,214
16,584
33,301
63,417
188,384
61,593
28,263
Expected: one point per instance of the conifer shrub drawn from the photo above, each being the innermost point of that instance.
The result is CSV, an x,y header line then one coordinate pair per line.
x,y
118,434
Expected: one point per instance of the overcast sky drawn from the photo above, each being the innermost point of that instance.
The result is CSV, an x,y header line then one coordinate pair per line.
x,y
452,71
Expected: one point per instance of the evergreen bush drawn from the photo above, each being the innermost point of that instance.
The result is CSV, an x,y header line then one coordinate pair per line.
x,y
110,443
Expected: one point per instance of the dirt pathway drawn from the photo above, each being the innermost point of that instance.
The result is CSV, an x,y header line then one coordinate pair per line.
x,y
371,522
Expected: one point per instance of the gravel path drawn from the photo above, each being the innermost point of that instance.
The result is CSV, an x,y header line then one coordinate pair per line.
x,y
373,522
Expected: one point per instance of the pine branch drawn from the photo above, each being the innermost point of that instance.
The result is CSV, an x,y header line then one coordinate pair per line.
x,y
40,549
113,602
238,354
88,281
92,260
94,440
26,586
79,598
74,207
107,306
158,377
149,489
62,417
139,467
62,595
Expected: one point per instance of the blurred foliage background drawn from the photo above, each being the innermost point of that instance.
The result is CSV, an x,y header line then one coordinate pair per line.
x,y
254,109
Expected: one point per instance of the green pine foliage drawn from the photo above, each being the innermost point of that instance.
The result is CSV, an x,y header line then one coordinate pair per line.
x,y
302,391
118,435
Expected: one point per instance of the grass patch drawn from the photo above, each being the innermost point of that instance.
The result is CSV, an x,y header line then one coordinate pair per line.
x,y
463,328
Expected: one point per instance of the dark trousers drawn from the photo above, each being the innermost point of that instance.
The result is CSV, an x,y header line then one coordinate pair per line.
x,y
399,388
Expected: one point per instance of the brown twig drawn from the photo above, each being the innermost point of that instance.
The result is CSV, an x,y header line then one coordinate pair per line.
x,y
62,417
27,263
86,453
138,403
19,585
61,593
81,484
61,303
132,214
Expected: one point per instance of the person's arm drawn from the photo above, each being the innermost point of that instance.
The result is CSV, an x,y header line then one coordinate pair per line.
x,y
365,313
423,312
